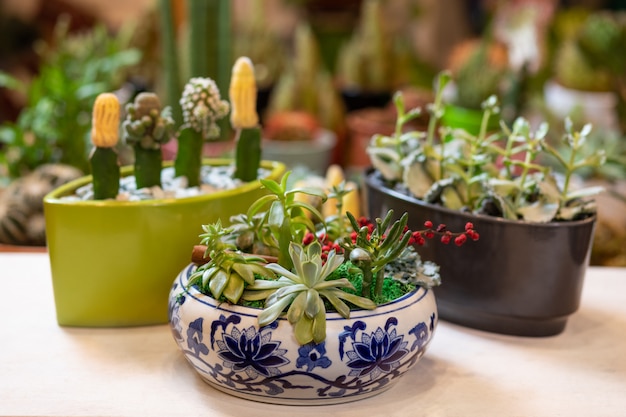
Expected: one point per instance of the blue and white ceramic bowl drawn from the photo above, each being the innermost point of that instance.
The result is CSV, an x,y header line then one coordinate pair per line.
x,y
361,356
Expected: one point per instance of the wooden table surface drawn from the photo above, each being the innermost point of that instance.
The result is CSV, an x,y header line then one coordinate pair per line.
x,y
48,370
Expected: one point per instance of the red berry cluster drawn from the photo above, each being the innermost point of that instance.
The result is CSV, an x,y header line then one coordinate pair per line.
x,y
327,245
419,237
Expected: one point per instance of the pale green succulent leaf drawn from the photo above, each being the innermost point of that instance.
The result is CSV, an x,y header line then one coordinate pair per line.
x,y
218,282
271,313
359,301
312,305
297,308
319,323
234,288
303,330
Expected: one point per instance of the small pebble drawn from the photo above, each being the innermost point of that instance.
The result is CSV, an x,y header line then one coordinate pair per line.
x,y
213,179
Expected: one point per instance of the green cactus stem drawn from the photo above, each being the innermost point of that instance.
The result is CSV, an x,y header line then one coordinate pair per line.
x,y
248,153
106,173
148,164
188,160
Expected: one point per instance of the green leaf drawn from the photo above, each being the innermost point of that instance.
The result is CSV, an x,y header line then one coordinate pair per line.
x,y
271,313
234,288
312,305
297,308
539,212
218,282
12,83
303,330
319,323
417,179
341,307
584,192
355,299
245,272
259,204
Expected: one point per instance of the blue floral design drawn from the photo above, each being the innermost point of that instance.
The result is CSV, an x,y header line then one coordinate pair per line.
x,y
251,352
195,336
175,324
312,355
377,352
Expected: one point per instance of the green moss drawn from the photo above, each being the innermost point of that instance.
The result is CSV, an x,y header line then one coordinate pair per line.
x,y
392,289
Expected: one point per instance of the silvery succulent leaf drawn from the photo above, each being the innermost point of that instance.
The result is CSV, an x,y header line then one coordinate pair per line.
x,y
417,179
539,211
387,162
585,192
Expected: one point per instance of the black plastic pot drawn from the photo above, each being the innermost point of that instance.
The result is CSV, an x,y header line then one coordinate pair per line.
x,y
357,99
519,278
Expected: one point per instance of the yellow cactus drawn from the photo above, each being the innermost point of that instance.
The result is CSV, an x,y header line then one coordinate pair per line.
x,y
105,121
334,177
352,200
242,95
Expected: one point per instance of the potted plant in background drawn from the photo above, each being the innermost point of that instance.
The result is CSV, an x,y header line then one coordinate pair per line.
x,y
305,89
479,69
588,75
254,37
526,277
137,245
278,307
47,145
372,64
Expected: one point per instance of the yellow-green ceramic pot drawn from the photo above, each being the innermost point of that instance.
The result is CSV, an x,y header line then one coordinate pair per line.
x,y
113,262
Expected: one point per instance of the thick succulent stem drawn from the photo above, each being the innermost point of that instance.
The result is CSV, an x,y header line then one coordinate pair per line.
x,y
147,167
380,279
187,162
248,153
106,173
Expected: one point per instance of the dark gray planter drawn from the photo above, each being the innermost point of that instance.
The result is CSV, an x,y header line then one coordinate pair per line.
x,y
519,278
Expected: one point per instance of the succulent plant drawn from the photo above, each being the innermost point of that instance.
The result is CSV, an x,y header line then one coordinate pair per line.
x,y
318,265
303,292
147,127
499,173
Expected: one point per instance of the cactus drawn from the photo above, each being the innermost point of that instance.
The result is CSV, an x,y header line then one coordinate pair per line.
x,y
147,128
244,119
104,136
476,81
366,62
306,86
256,40
574,71
202,107
171,68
